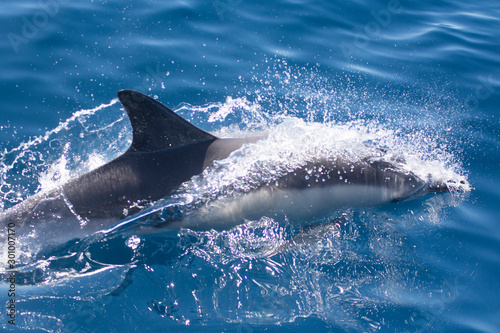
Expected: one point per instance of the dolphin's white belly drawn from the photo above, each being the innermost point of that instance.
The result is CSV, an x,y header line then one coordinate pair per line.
x,y
293,204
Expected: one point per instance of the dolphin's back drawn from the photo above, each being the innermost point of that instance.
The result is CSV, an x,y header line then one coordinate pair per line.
x,y
134,179
166,151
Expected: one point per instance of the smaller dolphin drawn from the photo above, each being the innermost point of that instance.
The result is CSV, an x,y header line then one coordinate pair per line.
x,y
167,151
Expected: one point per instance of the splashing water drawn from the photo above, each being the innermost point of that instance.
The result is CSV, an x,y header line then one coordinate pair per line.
x,y
82,142
354,272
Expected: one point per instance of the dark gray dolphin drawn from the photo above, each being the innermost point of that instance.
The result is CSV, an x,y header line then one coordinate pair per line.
x,y
167,150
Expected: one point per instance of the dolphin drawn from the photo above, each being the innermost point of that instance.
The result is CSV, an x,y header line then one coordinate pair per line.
x,y
167,151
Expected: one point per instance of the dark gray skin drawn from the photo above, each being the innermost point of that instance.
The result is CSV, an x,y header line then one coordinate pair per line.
x,y
340,172
167,151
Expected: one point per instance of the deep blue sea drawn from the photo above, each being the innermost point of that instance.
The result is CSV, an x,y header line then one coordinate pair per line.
x,y
420,78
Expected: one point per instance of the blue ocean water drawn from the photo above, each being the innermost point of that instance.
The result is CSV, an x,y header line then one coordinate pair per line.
x,y
421,78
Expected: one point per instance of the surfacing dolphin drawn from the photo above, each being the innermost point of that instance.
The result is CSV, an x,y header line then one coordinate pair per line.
x,y
167,151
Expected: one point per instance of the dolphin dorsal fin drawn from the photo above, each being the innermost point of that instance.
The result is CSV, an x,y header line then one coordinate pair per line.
x,y
156,127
